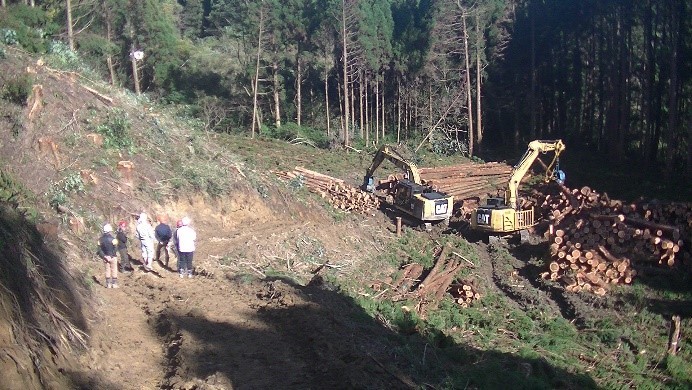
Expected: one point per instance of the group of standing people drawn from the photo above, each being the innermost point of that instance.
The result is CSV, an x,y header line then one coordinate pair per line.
x,y
153,241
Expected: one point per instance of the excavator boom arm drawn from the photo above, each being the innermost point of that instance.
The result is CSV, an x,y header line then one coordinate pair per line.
x,y
536,148
386,152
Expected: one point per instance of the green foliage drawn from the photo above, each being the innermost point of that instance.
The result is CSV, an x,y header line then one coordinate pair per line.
x,y
298,134
18,89
8,36
446,147
204,177
679,368
27,26
116,131
60,191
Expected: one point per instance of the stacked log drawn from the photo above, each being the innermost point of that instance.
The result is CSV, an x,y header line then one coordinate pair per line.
x,y
339,194
465,293
467,180
596,242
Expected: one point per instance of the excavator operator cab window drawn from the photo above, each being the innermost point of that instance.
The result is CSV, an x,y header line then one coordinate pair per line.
x,y
403,195
496,202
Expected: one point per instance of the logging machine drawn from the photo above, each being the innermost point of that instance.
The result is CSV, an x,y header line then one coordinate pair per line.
x,y
410,196
503,214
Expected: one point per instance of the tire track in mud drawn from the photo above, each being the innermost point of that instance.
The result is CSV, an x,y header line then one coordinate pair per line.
x,y
516,279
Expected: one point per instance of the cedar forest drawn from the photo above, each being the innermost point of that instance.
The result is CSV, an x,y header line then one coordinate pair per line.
x,y
609,77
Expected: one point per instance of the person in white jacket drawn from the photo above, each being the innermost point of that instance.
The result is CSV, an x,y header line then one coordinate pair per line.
x,y
146,236
185,237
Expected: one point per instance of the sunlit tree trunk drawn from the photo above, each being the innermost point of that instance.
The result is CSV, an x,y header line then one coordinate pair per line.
x,y
255,114
377,106
469,107
344,54
479,82
299,90
276,93
361,102
109,37
70,33
398,111
326,101
382,107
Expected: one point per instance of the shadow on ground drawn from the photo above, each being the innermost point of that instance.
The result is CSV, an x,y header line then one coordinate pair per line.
x,y
325,340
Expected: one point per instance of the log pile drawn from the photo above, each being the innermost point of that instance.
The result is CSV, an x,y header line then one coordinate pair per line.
x,y
463,180
468,183
596,242
413,283
339,194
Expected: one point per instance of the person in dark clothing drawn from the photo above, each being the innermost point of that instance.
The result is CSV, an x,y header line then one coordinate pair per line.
x,y
107,248
163,234
121,235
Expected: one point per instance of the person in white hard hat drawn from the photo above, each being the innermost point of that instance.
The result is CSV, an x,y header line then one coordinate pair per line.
x,y
146,236
185,237
108,251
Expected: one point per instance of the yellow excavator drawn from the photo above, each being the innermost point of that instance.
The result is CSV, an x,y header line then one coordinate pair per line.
x,y
503,214
410,195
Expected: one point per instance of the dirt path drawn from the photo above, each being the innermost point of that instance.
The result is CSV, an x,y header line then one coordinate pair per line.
x,y
224,329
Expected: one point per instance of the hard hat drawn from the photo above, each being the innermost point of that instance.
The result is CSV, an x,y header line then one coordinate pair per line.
x,y
142,217
107,228
186,221
122,224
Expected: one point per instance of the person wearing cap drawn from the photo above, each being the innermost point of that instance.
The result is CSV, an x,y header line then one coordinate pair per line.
x,y
121,236
185,237
107,247
163,235
145,234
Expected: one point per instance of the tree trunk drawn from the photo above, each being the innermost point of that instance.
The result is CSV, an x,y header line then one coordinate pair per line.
x,y
648,85
255,114
675,9
353,102
361,108
382,107
326,101
135,72
277,96
479,82
299,91
70,33
532,91
377,106
344,55
398,111
109,59
469,106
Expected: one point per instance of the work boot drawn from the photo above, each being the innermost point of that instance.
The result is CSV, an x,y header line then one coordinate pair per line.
x,y
115,284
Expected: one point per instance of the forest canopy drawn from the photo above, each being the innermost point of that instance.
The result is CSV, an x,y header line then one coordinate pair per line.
x,y
609,77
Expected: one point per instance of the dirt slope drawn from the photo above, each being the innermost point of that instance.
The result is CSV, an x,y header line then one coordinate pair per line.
x,y
232,326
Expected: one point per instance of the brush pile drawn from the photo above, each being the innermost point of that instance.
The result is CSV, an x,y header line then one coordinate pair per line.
x,y
428,290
